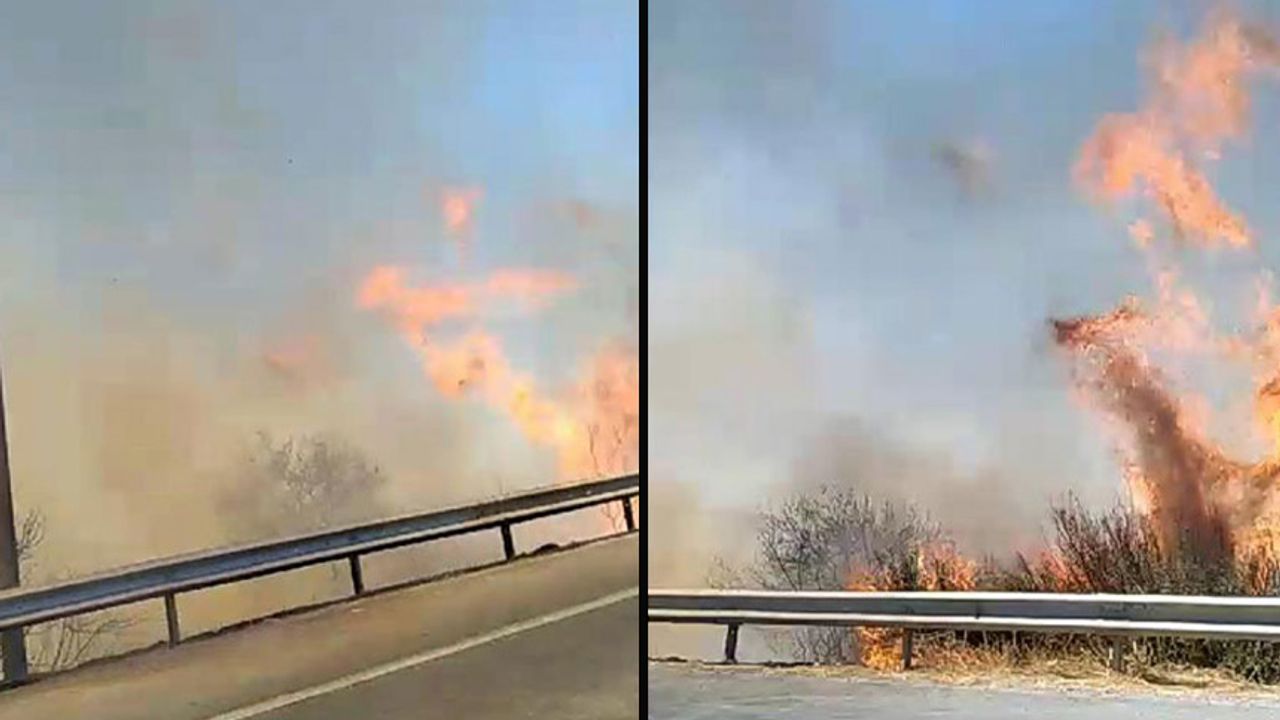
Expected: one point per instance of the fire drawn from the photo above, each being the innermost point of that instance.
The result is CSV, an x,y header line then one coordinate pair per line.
x,y
1127,150
1200,498
937,566
458,205
1174,470
592,427
1199,101
385,288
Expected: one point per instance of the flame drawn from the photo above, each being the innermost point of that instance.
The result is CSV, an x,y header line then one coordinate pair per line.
x,y
1199,100
1200,498
1173,469
594,429
937,566
385,288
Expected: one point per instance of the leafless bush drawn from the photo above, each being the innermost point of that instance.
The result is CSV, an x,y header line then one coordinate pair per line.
x,y
1117,551
67,642
30,535
302,484
820,540
62,643
612,449
828,539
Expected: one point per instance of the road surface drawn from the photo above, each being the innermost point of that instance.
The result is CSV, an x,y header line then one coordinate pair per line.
x,y
555,635
582,668
690,692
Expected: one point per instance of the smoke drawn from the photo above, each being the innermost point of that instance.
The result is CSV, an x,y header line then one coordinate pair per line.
x,y
826,307
984,510
696,539
192,199
127,428
970,165
129,424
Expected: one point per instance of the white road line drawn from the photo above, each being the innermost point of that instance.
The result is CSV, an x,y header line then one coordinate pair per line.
x,y
282,701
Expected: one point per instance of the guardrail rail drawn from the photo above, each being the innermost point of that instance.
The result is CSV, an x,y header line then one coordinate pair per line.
x,y
1114,616
166,578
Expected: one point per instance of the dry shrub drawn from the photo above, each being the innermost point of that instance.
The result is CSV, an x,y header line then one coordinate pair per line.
x,y
66,642
302,484
835,539
1117,551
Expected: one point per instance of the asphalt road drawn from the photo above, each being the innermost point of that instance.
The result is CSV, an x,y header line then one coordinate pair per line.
x,y
581,668
555,635
693,693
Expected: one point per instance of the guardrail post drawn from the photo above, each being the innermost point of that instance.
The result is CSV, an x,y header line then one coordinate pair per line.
x,y
508,544
908,639
171,618
12,640
731,644
1117,653
627,514
357,575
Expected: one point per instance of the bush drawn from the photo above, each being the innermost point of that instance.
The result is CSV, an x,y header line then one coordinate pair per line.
x,y
837,539
302,484
1117,551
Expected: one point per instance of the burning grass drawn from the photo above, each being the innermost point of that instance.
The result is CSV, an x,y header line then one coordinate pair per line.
x,y
832,539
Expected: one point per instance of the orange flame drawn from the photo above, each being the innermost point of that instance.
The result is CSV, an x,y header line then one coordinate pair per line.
x,y
1199,101
938,567
594,430
384,287
1177,475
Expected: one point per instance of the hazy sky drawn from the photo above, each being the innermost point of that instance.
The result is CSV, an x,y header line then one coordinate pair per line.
x,y
229,153
817,264
183,184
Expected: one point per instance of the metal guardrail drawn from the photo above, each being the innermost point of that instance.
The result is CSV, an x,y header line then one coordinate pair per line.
x,y
1115,616
168,577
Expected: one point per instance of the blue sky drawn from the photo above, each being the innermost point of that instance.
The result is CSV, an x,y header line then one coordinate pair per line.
x,y
794,170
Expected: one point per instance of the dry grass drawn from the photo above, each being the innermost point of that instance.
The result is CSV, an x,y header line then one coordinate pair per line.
x,y
837,539
1044,661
